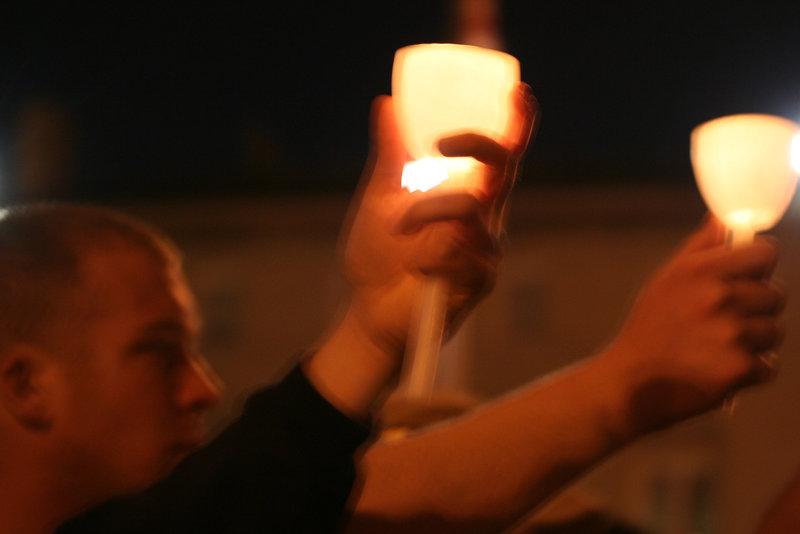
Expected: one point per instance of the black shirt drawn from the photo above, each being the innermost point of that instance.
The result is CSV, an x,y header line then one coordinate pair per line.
x,y
286,465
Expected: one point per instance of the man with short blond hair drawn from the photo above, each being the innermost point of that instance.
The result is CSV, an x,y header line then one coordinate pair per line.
x,y
103,392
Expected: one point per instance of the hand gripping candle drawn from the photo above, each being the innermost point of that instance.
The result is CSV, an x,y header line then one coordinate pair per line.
x,y
440,90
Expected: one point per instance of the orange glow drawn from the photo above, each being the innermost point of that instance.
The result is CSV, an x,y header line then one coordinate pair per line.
x,y
427,173
441,90
743,167
423,174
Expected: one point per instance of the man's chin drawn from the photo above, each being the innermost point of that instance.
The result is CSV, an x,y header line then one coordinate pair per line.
x,y
144,478
178,454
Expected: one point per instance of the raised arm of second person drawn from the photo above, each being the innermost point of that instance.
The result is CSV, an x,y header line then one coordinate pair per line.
x,y
701,329
393,239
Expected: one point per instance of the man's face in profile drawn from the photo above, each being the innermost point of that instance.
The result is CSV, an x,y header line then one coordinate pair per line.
x,y
134,392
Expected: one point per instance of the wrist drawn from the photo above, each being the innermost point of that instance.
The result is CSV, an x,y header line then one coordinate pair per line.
x,y
614,381
377,326
648,398
351,367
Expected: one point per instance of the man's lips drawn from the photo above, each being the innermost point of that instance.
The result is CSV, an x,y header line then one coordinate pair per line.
x,y
179,451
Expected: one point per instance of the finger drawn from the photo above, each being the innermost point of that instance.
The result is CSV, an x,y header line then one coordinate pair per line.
x,y
760,335
758,371
524,125
757,261
444,207
387,151
711,233
499,187
464,259
528,115
757,297
497,178
382,173
477,146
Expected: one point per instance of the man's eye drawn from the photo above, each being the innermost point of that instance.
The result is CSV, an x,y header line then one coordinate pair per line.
x,y
167,353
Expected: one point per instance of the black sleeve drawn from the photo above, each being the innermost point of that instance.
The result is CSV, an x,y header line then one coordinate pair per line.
x,y
285,466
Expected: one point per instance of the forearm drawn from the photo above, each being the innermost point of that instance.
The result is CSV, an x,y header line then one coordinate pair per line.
x,y
693,338
486,469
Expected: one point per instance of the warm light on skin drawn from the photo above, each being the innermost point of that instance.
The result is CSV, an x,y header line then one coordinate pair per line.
x,y
743,167
427,173
440,90
423,174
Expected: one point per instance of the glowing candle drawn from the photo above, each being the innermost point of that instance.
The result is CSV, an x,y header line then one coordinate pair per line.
x,y
743,165
440,90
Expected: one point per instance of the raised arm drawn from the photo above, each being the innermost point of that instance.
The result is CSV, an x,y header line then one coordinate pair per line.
x,y
700,330
393,239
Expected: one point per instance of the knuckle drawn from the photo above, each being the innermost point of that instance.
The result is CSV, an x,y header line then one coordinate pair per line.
x,y
731,332
766,256
780,296
715,296
770,251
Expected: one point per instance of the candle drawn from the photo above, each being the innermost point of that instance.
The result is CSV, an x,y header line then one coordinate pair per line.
x,y
743,167
440,90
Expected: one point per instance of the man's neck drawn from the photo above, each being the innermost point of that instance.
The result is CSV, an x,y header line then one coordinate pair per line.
x,y
34,501
24,506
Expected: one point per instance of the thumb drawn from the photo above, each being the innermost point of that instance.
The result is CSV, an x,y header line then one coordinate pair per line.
x,y
387,151
711,233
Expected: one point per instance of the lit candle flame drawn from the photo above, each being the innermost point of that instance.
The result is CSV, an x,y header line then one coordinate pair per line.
x,y
423,174
743,169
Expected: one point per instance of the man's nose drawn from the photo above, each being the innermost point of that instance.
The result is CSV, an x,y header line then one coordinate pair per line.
x,y
201,388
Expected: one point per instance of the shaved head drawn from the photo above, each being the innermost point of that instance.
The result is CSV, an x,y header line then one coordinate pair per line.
x,y
43,248
102,390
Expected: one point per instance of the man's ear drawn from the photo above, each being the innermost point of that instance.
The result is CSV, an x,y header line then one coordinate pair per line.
x,y
25,386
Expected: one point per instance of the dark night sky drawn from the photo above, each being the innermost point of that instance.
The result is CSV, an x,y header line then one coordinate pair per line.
x,y
163,97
